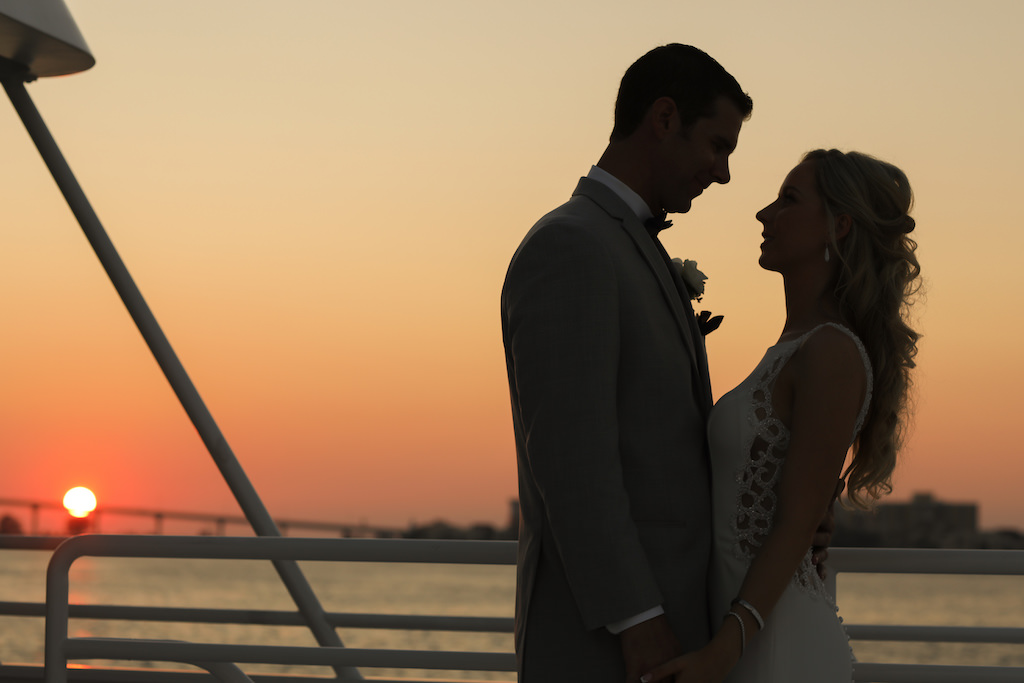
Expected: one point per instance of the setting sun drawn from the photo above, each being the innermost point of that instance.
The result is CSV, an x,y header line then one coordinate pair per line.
x,y
79,501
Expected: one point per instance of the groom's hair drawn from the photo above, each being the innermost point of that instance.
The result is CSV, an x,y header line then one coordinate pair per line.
x,y
689,76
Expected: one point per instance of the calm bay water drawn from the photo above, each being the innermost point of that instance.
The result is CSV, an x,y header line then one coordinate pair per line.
x,y
449,590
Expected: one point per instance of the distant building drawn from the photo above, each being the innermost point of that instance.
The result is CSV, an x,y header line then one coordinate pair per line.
x,y
1002,539
921,523
435,530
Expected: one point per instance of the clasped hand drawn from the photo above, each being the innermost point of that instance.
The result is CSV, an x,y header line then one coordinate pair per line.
x,y
705,665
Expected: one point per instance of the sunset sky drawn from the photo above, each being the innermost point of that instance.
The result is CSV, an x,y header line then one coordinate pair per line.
x,y
319,200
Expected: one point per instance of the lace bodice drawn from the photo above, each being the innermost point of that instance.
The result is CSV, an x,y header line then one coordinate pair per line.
x,y
749,446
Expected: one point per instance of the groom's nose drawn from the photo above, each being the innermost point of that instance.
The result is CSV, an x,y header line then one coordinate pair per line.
x,y
721,170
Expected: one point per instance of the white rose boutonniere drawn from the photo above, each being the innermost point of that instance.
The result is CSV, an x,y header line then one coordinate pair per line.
x,y
694,280
692,277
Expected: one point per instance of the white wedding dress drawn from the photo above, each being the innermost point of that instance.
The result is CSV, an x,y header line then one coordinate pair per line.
x,y
803,640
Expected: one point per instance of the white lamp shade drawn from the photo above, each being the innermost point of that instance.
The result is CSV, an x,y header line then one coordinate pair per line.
x,y
41,36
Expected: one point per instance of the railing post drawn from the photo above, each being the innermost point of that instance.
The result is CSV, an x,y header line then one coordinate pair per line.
x,y
57,609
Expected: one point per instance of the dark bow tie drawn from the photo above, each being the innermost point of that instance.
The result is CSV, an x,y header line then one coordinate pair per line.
x,y
656,224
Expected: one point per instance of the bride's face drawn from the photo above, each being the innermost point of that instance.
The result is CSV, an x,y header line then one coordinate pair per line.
x,y
795,225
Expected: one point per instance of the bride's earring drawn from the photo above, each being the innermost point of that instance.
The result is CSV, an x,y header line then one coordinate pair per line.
x,y
826,254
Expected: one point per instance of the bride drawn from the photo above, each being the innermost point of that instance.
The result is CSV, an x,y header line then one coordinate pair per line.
x,y
838,376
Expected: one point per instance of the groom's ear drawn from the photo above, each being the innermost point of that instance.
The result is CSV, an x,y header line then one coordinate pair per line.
x,y
662,116
843,225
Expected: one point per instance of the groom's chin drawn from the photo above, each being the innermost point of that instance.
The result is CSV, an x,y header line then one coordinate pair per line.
x,y
683,206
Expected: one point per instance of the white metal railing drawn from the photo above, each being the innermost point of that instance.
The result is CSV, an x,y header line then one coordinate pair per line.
x,y
60,648
927,561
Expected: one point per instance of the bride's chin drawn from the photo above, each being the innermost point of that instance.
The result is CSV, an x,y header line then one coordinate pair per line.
x,y
766,264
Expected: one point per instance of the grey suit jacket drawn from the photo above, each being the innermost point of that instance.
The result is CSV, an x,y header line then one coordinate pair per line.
x,y
610,394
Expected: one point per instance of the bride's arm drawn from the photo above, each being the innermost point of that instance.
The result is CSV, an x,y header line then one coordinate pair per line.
x,y
828,384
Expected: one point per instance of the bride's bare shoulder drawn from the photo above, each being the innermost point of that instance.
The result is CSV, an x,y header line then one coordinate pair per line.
x,y
831,353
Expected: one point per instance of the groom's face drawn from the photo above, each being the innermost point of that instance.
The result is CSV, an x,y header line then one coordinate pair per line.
x,y
698,156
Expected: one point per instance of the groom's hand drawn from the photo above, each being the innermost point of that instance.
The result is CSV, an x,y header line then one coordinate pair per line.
x,y
647,645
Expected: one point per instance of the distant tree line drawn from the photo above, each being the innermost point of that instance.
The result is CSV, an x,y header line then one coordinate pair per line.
x,y
9,524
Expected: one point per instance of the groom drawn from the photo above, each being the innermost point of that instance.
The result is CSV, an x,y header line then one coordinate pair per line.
x,y
610,390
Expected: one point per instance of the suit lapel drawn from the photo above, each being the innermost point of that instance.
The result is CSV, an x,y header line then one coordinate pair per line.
x,y
679,299
657,261
672,287
698,338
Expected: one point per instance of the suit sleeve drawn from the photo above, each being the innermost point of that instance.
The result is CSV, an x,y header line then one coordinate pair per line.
x,y
562,309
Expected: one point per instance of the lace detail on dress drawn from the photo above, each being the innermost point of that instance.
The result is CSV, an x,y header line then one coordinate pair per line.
x,y
756,499
755,505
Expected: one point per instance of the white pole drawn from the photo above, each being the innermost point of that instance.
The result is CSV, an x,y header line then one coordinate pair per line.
x,y
13,79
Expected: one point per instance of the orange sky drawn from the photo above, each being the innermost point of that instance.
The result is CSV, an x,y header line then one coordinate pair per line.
x,y
319,200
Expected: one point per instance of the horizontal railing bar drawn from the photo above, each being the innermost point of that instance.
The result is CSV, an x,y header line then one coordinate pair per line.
x,y
925,561
18,542
936,634
202,615
854,560
126,649
413,622
33,673
933,673
276,548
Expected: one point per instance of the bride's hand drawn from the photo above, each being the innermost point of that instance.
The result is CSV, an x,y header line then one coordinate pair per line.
x,y
710,664
700,666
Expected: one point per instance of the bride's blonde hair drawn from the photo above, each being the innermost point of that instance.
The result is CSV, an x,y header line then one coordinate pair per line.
x,y
879,277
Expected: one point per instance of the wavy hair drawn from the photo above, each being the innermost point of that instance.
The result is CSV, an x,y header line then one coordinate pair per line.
x,y
878,280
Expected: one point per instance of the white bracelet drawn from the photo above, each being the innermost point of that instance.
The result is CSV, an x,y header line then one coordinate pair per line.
x,y
743,631
753,612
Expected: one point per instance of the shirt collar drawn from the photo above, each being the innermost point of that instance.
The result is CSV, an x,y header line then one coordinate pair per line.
x,y
625,193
